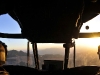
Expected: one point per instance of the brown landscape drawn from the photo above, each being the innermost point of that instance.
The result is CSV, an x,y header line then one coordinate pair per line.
x,y
83,58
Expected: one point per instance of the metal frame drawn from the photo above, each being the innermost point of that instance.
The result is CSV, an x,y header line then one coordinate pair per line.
x,y
20,36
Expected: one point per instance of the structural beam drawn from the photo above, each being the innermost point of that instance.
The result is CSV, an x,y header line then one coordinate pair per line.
x,y
89,35
19,36
35,53
14,36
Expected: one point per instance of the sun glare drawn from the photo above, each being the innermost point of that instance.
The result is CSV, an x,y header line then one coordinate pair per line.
x,y
94,41
89,42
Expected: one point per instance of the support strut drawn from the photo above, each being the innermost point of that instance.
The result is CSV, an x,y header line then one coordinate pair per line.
x,y
35,52
74,54
28,54
67,48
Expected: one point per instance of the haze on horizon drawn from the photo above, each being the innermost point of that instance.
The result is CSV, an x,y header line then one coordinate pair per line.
x,y
8,25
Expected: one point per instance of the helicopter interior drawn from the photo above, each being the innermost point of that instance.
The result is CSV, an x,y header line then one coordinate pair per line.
x,y
51,22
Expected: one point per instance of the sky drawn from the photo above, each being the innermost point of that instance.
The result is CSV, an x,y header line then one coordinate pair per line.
x,y
8,25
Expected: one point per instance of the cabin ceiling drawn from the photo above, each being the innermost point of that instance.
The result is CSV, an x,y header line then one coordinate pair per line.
x,y
50,21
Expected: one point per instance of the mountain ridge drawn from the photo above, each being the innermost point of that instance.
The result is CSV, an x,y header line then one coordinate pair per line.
x,y
53,51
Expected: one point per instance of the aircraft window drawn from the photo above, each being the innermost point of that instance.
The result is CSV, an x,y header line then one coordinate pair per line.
x,y
17,52
50,53
87,48
86,53
8,24
94,25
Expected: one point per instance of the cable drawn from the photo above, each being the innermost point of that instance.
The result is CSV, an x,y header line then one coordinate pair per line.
x,y
81,15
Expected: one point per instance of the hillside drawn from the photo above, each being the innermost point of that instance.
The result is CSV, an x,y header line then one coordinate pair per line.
x,y
51,51
85,57
14,53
